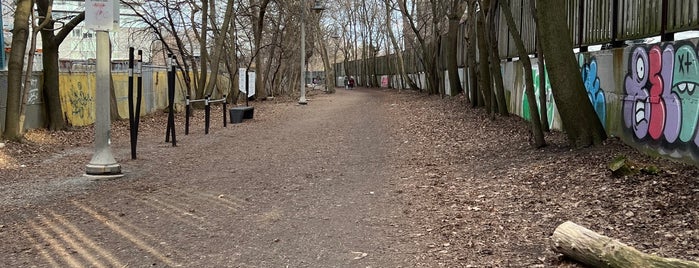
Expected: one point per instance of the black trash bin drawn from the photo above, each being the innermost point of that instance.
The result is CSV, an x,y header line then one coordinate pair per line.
x,y
248,112
236,115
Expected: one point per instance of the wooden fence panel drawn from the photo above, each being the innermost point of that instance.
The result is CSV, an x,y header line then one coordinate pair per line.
x,y
682,15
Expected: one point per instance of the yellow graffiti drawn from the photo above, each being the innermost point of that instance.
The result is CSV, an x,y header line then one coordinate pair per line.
x,y
77,98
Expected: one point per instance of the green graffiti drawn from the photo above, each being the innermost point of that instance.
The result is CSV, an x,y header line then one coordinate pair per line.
x,y
549,97
685,82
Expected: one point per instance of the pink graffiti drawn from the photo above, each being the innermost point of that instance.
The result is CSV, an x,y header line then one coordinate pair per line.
x,y
657,104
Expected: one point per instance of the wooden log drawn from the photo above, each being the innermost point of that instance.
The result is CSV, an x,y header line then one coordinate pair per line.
x,y
595,250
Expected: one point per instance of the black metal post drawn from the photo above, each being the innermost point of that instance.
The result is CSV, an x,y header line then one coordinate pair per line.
x,y
581,22
207,113
187,114
171,99
664,35
616,18
132,128
225,101
169,70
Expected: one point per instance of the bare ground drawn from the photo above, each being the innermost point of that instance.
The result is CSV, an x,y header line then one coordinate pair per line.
x,y
362,178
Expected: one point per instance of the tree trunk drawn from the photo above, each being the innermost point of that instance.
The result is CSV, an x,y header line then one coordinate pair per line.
x,y
20,34
595,250
258,28
471,54
451,50
30,65
543,106
52,97
232,63
269,76
580,122
50,42
537,133
329,71
495,61
428,60
431,68
218,50
484,82
394,42
204,55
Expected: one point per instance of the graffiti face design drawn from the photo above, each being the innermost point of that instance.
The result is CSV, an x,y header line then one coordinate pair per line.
x,y
685,82
636,108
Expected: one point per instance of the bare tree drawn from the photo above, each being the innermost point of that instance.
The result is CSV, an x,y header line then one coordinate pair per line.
x,y
166,20
397,48
329,70
428,35
30,63
218,50
491,37
51,39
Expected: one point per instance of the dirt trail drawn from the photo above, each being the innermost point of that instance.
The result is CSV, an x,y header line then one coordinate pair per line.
x,y
360,178
299,186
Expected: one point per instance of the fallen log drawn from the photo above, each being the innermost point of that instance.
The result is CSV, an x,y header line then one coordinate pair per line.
x,y
595,250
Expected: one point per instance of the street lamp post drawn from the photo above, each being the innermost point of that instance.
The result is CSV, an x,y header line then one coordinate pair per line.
x,y
334,68
318,5
303,100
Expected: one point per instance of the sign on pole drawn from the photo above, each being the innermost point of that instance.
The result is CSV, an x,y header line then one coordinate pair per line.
x,y
100,15
251,82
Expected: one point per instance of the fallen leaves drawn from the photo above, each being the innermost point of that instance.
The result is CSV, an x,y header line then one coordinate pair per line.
x,y
495,200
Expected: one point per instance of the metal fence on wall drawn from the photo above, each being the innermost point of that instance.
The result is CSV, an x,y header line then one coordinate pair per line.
x,y
595,22
591,22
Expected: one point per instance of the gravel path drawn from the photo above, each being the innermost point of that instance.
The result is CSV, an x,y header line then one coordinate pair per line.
x,y
299,186
360,178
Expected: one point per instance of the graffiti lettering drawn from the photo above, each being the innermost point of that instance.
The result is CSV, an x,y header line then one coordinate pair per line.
x,y
595,93
80,101
536,73
33,93
660,104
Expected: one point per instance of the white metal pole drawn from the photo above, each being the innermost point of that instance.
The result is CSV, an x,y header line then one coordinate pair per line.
x,y
303,100
103,162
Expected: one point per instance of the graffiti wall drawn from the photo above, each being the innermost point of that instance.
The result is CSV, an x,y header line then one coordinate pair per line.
x,y
514,82
34,112
77,92
660,109
77,98
643,94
